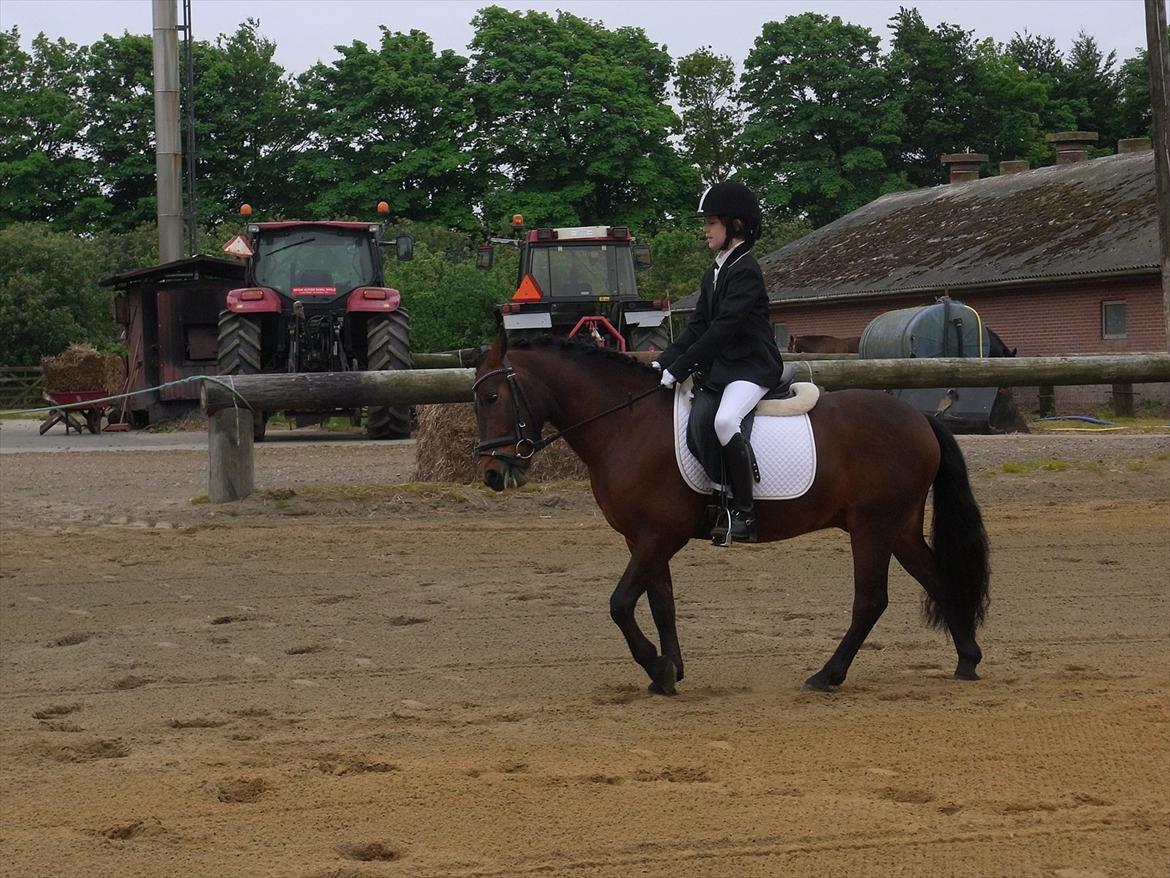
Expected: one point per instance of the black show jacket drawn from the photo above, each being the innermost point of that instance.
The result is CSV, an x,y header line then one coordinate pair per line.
x,y
729,337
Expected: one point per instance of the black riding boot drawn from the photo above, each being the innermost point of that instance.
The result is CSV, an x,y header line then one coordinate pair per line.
x,y
737,460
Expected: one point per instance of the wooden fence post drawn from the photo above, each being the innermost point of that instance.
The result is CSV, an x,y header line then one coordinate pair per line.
x,y
230,473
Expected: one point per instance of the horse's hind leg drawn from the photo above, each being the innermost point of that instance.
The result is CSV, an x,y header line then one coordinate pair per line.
x,y
872,548
918,560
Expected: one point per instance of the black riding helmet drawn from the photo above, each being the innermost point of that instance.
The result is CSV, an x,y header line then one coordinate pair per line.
x,y
732,201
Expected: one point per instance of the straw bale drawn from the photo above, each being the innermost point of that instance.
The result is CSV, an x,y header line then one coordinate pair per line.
x,y
81,367
445,449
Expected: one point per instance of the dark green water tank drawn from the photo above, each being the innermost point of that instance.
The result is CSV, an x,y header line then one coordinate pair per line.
x,y
945,329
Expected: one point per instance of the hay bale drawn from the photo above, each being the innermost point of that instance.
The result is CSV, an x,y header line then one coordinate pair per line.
x,y
445,449
82,367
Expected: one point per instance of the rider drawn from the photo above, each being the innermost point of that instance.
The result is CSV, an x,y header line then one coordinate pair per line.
x,y
729,337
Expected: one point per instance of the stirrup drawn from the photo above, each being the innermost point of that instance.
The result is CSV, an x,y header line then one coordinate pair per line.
x,y
721,532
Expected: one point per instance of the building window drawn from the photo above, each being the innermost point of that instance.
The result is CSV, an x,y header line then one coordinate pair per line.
x,y
1113,319
781,330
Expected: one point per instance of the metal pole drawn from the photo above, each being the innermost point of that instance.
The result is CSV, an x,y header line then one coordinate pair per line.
x,y
168,155
1159,55
189,140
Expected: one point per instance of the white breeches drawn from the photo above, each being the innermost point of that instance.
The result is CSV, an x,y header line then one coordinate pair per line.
x,y
739,398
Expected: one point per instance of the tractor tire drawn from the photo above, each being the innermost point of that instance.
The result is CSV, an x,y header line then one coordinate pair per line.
x,y
656,339
388,347
238,353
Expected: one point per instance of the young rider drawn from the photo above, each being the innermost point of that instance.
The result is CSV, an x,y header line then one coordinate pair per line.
x,y
729,338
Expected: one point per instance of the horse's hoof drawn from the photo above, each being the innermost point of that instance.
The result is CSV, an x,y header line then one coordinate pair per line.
x,y
664,675
818,683
966,674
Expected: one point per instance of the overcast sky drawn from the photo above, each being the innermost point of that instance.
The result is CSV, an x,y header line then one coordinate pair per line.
x,y
305,31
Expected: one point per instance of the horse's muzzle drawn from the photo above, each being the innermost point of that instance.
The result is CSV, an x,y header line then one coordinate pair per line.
x,y
499,475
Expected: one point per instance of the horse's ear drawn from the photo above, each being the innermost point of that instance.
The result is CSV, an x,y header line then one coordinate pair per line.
x,y
499,346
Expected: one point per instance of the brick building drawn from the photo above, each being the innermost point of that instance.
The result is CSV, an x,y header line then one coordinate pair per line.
x,y
1057,260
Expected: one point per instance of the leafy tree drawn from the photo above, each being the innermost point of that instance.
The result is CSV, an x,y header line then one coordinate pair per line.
x,y
573,124
1088,85
821,131
49,295
42,173
389,123
1006,117
933,73
245,127
706,90
119,104
1135,115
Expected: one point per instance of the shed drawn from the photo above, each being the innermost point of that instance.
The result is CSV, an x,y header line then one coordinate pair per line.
x,y
169,315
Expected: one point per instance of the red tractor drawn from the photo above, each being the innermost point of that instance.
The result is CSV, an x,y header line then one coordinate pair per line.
x,y
315,301
582,280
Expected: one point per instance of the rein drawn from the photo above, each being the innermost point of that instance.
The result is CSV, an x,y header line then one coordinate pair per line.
x,y
518,438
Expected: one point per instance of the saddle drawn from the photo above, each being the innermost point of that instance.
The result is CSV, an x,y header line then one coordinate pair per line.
x,y
786,398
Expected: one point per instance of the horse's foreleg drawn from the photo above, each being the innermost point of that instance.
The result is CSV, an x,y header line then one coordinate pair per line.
x,y
871,572
918,560
641,574
661,595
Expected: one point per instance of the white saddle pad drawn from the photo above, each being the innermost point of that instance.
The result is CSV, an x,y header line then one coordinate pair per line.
x,y
784,449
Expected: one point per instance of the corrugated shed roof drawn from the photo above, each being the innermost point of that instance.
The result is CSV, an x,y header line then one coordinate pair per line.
x,y
1088,218
191,268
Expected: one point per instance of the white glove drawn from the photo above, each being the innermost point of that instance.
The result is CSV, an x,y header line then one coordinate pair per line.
x,y
654,364
667,379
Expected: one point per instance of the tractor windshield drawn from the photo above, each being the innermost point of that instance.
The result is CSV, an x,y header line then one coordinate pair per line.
x,y
575,271
313,260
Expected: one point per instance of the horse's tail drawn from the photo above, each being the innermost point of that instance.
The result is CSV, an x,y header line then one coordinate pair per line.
x,y
960,542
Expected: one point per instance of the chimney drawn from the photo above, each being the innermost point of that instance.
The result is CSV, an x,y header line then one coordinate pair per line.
x,y
964,166
1134,144
1071,146
1016,166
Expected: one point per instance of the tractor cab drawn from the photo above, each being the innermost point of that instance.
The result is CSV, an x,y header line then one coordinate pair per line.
x,y
582,279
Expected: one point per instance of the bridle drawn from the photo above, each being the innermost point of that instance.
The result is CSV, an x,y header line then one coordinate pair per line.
x,y
522,410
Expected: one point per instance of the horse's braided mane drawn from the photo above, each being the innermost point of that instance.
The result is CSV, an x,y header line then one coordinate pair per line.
x,y
579,349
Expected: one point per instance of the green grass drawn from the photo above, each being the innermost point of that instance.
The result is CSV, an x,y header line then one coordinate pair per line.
x,y
1127,425
1050,465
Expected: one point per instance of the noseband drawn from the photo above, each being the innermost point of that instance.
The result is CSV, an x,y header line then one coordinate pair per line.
x,y
519,407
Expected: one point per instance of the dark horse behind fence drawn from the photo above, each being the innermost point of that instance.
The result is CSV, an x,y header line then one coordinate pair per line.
x,y
877,459
823,344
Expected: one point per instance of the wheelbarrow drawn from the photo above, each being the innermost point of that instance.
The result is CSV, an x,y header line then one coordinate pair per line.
x,y
75,409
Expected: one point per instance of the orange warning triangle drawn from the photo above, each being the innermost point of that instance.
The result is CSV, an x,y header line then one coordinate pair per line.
x,y
528,291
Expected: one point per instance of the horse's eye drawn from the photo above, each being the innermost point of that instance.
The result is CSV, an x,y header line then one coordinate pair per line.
x,y
490,398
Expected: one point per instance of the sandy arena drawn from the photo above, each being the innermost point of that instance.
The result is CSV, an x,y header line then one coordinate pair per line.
x,y
341,677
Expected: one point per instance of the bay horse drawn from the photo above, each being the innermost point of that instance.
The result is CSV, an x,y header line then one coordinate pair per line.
x,y
877,459
823,344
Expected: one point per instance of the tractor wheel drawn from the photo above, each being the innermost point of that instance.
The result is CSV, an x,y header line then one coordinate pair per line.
x,y
388,347
656,339
239,354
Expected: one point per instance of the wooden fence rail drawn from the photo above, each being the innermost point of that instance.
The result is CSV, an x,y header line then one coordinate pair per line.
x,y
20,387
230,421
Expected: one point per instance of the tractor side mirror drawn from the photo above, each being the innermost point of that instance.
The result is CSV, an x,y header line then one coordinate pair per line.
x,y
642,255
120,309
485,256
404,245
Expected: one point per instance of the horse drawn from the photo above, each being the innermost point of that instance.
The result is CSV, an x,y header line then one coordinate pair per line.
x,y
877,459
823,344
998,347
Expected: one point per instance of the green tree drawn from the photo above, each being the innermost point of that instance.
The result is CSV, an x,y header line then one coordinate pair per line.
x,y
1135,115
389,123
43,175
1088,86
1006,116
821,131
245,127
119,104
49,295
573,124
706,90
934,77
